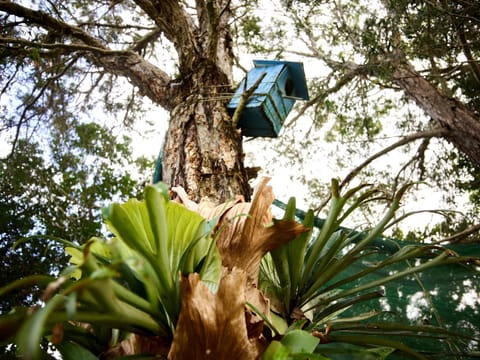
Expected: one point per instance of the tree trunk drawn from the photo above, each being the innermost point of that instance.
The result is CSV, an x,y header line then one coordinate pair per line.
x,y
462,124
203,151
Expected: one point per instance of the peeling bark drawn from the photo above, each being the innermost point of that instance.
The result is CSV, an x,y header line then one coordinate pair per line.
x,y
245,233
203,152
462,125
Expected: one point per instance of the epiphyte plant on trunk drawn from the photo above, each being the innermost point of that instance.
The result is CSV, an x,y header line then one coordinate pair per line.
x,y
130,282
173,273
319,281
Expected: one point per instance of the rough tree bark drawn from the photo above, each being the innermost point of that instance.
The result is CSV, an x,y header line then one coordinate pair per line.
x,y
203,152
461,125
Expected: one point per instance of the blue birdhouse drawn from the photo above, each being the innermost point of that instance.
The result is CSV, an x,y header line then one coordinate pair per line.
x,y
272,100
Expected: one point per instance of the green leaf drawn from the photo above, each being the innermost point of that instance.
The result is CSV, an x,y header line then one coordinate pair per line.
x,y
308,356
32,330
71,304
156,239
131,222
278,322
289,258
155,204
40,280
186,229
211,269
345,351
276,351
300,341
73,351
379,341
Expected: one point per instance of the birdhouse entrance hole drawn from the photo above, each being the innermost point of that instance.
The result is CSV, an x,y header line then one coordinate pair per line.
x,y
289,87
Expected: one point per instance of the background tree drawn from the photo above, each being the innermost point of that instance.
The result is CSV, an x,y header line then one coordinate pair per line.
x,y
397,79
186,68
58,196
202,152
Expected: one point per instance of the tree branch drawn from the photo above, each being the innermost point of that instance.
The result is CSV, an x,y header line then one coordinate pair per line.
x,y
405,140
244,99
48,22
456,238
209,19
463,124
419,157
215,37
69,47
468,53
152,81
29,105
340,83
143,42
177,26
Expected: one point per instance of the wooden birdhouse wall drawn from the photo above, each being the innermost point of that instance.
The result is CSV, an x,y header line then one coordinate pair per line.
x,y
272,101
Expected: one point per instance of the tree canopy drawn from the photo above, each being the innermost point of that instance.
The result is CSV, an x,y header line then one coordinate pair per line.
x,y
59,195
405,70
394,79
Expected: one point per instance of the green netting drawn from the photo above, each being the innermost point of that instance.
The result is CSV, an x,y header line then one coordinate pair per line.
x,y
446,296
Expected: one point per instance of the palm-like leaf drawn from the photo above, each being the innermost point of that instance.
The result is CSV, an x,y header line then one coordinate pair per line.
x,y
322,287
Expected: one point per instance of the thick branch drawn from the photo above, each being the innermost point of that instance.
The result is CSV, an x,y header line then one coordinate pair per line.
x,y
152,81
463,125
178,27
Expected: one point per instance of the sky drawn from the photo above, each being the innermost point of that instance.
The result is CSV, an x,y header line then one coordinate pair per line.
x,y
148,140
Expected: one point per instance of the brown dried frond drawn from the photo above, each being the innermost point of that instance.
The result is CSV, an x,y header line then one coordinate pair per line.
x,y
212,326
245,230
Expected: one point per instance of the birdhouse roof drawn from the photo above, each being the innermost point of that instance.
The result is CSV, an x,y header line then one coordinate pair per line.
x,y
296,71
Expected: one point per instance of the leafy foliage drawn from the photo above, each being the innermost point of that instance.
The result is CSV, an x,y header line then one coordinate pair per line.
x,y
130,282
57,195
320,285
57,77
321,281
356,105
